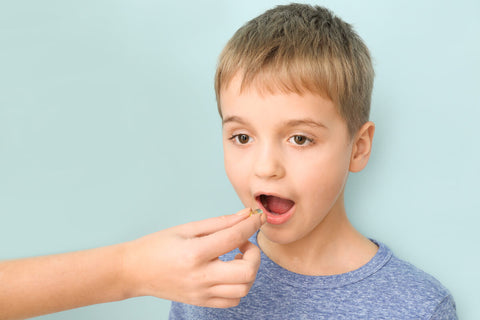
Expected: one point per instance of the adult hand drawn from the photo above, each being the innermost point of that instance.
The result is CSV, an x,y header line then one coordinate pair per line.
x,y
181,263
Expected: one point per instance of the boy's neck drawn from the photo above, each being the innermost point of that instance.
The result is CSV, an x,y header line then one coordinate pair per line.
x,y
333,247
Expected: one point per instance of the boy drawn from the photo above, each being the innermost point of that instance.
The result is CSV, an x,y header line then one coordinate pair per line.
x,y
293,88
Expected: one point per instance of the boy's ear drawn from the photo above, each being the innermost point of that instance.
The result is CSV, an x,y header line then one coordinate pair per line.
x,y
362,146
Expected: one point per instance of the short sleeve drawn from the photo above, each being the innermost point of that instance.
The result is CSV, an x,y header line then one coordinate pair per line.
x,y
446,310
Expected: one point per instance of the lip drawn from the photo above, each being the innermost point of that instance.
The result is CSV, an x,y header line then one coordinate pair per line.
x,y
276,219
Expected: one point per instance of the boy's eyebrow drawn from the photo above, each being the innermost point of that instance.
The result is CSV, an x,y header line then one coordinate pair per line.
x,y
233,119
306,122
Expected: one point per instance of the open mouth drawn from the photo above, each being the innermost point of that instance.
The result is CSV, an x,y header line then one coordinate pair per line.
x,y
274,204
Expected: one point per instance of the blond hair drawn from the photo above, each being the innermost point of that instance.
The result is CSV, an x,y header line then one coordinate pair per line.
x,y
301,48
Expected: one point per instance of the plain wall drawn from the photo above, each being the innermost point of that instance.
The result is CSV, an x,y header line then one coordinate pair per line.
x,y
109,130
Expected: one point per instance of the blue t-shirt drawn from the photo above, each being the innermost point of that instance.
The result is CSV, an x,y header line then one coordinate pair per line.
x,y
384,288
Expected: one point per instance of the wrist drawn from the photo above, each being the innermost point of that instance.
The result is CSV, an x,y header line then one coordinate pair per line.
x,y
126,279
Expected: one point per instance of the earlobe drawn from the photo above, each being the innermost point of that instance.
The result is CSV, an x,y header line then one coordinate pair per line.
x,y
362,146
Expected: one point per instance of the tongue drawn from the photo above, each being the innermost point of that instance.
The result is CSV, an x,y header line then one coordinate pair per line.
x,y
278,205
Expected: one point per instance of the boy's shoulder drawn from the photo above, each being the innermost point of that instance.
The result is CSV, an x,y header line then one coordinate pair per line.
x,y
414,288
407,278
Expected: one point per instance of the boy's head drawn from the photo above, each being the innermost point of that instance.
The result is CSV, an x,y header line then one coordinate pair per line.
x,y
293,88
301,48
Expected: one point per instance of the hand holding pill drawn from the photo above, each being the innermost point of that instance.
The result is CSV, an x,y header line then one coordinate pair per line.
x,y
181,263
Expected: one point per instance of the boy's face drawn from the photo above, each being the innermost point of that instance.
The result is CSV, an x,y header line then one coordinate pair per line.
x,y
286,154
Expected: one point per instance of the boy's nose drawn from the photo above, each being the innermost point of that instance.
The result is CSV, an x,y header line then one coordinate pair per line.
x,y
268,164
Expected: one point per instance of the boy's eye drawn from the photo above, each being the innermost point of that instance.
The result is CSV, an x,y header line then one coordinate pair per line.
x,y
300,140
241,138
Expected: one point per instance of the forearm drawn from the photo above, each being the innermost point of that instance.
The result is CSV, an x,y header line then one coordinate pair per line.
x,y
41,285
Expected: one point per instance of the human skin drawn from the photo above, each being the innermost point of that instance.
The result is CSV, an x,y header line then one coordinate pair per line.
x,y
180,263
297,147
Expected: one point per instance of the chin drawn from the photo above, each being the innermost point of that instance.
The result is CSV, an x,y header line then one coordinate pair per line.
x,y
278,235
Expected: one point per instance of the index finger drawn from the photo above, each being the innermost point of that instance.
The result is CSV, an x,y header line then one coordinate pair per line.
x,y
207,226
223,241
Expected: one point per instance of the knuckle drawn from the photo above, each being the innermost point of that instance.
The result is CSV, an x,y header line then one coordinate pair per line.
x,y
255,254
224,220
224,303
193,257
200,278
235,237
234,302
244,290
198,298
250,273
213,303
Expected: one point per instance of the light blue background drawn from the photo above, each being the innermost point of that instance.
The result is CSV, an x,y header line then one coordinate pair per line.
x,y
109,130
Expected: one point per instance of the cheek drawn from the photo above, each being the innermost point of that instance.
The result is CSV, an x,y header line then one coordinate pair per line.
x,y
324,177
234,169
238,178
